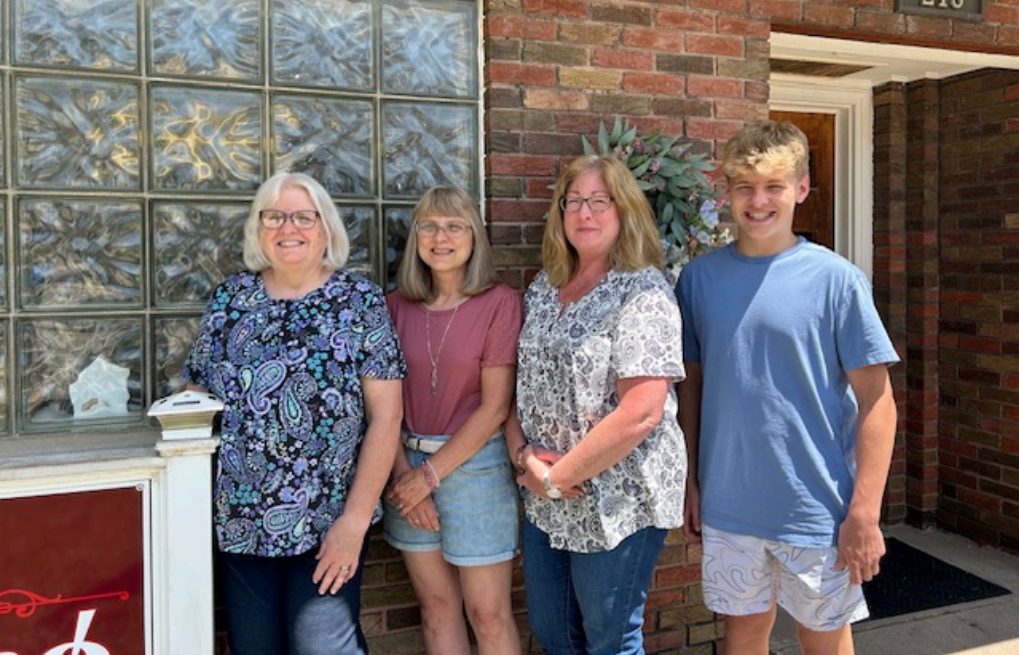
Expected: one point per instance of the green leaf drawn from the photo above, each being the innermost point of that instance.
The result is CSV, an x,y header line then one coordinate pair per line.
x,y
666,214
617,130
603,139
588,148
642,168
645,186
628,137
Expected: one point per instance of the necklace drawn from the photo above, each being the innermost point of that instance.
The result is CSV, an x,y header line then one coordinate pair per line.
x,y
428,343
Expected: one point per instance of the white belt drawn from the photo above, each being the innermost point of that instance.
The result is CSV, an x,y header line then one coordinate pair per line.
x,y
431,446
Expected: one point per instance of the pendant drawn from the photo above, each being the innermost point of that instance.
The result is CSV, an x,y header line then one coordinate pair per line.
x,y
435,380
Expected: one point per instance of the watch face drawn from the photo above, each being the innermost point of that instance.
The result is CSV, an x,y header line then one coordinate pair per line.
x,y
554,493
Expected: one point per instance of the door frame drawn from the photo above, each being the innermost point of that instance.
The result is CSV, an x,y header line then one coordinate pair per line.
x,y
851,101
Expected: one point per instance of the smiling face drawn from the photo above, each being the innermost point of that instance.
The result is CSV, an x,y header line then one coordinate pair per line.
x,y
288,246
762,206
592,235
445,243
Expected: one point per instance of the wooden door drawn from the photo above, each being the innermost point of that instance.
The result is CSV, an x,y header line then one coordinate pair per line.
x,y
815,218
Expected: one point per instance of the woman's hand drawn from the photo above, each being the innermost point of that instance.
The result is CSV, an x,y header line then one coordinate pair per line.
x,y
408,490
423,516
537,460
338,556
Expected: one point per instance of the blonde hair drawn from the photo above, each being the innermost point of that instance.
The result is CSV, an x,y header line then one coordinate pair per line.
x,y
767,148
414,277
337,243
638,245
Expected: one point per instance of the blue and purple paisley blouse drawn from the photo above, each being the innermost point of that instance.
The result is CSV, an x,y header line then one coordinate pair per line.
x,y
289,374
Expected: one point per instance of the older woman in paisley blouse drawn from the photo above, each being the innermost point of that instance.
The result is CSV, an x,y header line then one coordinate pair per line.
x,y
304,356
597,444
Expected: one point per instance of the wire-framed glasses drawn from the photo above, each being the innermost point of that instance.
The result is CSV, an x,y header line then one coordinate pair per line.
x,y
302,219
453,230
597,204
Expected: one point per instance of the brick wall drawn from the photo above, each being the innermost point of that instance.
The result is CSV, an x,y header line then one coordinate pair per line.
x,y
979,321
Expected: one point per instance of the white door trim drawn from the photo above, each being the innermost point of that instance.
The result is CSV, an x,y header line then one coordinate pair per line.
x,y
852,104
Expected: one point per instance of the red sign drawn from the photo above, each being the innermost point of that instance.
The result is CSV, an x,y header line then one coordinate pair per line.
x,y
72,574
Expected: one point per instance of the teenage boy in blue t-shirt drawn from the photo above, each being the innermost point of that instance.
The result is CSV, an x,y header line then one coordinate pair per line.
x,y
788,412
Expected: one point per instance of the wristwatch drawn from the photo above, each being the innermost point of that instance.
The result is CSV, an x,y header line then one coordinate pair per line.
x,y
554,493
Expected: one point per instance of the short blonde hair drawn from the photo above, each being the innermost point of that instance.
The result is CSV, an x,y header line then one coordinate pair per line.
x,y
337,243
414,278
639,245
767,148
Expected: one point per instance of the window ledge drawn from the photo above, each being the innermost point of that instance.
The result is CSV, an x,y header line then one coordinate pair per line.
x,y
47,450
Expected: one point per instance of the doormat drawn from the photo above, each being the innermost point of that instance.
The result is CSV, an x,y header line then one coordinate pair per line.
x,y
912,581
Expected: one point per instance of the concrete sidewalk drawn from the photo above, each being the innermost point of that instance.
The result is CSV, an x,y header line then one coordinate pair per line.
x,y
986,627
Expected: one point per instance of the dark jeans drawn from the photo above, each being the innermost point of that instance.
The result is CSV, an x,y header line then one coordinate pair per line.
x,y
589,603
273,608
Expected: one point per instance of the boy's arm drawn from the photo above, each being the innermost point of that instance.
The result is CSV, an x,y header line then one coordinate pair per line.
x,y
690,422
860,542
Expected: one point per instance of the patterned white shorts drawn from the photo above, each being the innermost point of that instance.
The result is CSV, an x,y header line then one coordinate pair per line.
x,y
745,575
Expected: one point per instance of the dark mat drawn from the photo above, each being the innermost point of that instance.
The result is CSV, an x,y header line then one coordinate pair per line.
x,y
913,581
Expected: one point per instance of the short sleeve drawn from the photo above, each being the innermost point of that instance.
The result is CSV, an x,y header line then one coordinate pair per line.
x,y
648,340
684,290
382,357
504,330
861,335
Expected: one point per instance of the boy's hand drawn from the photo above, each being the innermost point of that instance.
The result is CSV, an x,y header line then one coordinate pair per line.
x,y
861,546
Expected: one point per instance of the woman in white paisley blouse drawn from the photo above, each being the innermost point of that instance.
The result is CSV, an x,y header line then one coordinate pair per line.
x,y
598,449
306,360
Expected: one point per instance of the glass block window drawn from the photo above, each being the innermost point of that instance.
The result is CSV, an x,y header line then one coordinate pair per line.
x,y
134,136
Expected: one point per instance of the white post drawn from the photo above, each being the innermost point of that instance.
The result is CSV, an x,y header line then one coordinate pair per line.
x,y
184,589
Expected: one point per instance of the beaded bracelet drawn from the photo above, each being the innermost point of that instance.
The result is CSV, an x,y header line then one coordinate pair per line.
x,y
431,477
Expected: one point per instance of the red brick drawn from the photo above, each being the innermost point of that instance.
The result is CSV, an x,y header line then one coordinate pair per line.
x,y
521,165
790,10
561,8
520,27
655,83
720,46
714,87
622,59
651,39
688,21
526,74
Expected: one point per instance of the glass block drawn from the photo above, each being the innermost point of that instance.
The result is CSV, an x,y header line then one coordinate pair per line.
x,y
358,221
429,145
206,140
172,338
195,247
397,230
99,35
3,135
96,362
3,257
198,38
324,43
430,48
329,139
76,132
5,400
79,252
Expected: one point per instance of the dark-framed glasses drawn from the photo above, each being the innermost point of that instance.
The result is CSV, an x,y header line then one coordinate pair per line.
x,y
453,230
597,204
302,219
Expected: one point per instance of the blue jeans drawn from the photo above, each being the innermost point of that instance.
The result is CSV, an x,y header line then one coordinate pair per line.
x,y
589,603
273,608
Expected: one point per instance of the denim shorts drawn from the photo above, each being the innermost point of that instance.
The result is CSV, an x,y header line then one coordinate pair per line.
x,y
479,517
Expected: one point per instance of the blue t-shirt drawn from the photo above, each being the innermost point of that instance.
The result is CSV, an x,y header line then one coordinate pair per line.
x,y
775,337
289,375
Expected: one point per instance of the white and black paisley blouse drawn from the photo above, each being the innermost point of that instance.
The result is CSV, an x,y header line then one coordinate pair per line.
x,y
569,360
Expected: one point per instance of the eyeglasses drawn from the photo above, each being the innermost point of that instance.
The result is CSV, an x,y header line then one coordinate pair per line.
x,y
302,219
598,204
452,230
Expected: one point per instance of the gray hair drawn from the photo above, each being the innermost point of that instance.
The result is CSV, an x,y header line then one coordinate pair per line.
x,y
338,245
